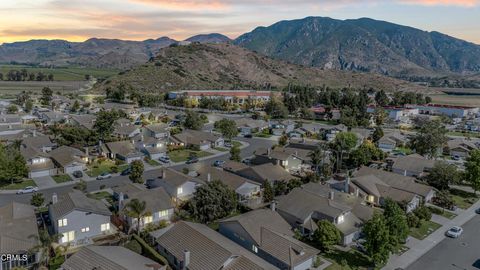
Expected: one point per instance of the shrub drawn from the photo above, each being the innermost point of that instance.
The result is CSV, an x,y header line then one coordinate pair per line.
x,y
134,246
114,169
150,252
413,221
423,213
436,211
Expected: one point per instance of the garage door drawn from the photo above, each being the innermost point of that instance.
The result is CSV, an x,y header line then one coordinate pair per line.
x,y
73,169
39,174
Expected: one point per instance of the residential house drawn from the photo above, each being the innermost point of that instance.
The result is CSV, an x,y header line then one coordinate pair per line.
x,y
194,246
84,120
390,141
69,159
279,128
277,156
35,152
202,140
79,219
248,126
460,147
266,234
10,119
150,146
248,192
122,150
18,236
50,118
157,131
178,185
449,110
125,129
109,257
412,165
158,204
265,172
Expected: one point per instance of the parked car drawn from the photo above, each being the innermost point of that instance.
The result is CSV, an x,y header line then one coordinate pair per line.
x,y
28,189
248,136
456,157
77,174
104,175
247,161
127,171
192,160
228,144
477,211
454,232
218,163
164,159
150,183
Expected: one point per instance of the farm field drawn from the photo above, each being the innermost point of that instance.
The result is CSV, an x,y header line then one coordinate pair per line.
x,y
9,89
62,74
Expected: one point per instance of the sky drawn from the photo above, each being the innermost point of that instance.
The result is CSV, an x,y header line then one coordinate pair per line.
x,y
78,20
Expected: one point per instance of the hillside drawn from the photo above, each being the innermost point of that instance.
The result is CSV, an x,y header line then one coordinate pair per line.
x,y
225,66
364,45
210,38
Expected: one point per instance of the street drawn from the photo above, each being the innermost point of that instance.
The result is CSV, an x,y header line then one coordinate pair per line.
x,y
254,143
454,254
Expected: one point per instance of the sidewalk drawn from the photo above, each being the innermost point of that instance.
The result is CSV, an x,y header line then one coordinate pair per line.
x,y
419,248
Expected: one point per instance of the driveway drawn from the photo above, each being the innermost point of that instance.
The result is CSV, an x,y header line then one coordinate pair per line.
x,y
45,182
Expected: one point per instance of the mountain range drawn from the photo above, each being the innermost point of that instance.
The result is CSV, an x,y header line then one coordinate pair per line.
x,y
358,45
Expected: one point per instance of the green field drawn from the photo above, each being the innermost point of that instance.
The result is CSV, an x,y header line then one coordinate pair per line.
x,y
20,185
62,74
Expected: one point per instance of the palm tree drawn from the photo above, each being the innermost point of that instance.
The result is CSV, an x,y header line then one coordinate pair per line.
x,y
138,210
45,242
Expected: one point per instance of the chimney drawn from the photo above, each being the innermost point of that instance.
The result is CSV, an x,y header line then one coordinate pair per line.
x,y
86,150
209,177
357,192
164,173
273,206
54,198
34,133
269,151
347,185
331,195
121,198
186,259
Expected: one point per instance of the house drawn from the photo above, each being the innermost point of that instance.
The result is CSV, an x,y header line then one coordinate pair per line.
x,y
330,132
412,165
50,118
18,236
248,192
399,182
195,246
39,163
84,120
178,185
460,147
449,110
277,156
79,219
157,131
265,172
150,146
202,140
390,141
41,143
108,257
158,204
362,134
122,150
266,234
69,159
302,208
126,131
248,126
279,128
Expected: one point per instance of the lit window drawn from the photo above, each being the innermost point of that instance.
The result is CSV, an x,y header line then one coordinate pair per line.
x,y
163,213
340,219
68,237
105,227
86,229
147,219
179,190
62,222
255,249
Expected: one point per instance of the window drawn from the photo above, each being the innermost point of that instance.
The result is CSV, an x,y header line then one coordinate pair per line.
x,y
62,222
163,213
147,219
105,227
340,219
179,190
86,229
68,236
255,249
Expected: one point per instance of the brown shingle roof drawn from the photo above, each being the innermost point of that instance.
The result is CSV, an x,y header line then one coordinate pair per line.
x,y
18,226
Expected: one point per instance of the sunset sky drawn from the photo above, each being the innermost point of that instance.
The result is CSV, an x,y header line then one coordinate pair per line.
x,y
78,20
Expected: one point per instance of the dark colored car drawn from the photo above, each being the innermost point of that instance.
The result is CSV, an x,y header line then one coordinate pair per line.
x,y
192,160
249,136
77,174
127,171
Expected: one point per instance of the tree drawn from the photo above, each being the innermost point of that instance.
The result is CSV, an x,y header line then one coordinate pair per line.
x,y
364,154
12,165
443,174
136,171
28,105
377,134
47,94
275,108
227,127
381,98
268,192
344,142
380,116
326,235
212,201
104,124
193,120
430,138
472,170
235,153
396,222
12,109
75,107
37,199
377,239
283,140
318,158
138,210
45,241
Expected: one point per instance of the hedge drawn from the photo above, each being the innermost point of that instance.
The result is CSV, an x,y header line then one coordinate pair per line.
x,y
150,252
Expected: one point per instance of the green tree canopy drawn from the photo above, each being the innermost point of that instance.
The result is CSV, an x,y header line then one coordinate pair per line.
x,y
227,127
136,173
193,120
326,235
396,222
377,239
138,210
430,138
472,170
235,153
212,201
443,174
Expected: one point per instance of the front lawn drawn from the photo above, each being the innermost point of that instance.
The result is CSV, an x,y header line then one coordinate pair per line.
x,y
343,260
23,184
152,162
463,199
262,135
62,178
184,154
221,149
441,212
403,150
101,195
237,143
104,166
425,229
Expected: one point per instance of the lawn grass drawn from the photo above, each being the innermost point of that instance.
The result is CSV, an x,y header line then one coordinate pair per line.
x,y
464,134
101,195
221,149
425,229
23,184
152,162
184,154
463,199
237,143
441,212
62,178
404,150
97,168
262,135
343,260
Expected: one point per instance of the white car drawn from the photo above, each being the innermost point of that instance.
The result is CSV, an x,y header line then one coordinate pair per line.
x,y
454,232
27,190
105,175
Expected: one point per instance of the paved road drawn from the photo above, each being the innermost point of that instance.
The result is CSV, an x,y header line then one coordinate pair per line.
x,y
254,143
454,254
